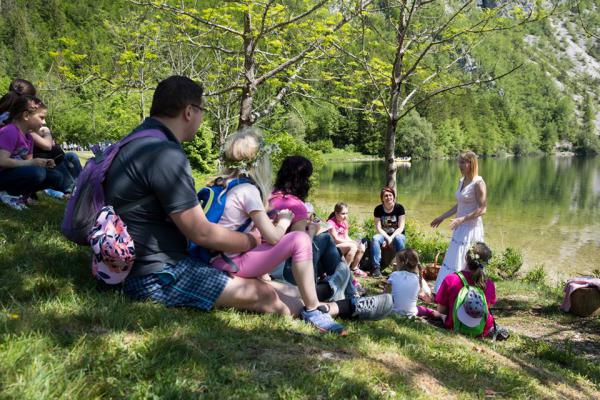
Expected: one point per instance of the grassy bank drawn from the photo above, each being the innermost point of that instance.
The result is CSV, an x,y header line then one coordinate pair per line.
x,y
61,338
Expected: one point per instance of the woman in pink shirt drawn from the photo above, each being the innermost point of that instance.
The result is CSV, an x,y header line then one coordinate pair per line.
x,y
477,258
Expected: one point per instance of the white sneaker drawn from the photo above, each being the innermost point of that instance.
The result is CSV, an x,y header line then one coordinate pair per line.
x,y
13,202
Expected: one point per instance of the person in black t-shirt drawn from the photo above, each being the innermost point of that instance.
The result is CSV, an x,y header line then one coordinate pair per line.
x,y
389,223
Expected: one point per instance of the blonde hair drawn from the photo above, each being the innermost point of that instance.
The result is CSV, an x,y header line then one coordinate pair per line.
x,y
242,157
471,158
408,260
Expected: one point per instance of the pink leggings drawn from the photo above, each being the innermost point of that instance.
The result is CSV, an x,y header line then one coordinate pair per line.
x,y
424,312
265,257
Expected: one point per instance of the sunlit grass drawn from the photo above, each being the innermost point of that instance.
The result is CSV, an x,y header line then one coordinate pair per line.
x,y
61,338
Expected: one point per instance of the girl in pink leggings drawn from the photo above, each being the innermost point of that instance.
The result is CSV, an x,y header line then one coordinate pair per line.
x,y
246,156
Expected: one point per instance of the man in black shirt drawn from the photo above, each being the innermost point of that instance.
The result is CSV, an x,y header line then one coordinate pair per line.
x,y
161,229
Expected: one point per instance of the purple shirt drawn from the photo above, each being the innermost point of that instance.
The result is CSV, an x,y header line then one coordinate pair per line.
x,y
19,145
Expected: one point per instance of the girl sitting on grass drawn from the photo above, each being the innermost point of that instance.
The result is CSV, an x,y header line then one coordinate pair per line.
x,y
407,285
246,156
20,174
351,249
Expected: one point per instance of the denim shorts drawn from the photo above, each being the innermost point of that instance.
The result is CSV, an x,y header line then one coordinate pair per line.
x,y
189,283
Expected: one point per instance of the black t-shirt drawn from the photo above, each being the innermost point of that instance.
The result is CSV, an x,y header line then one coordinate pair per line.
x,y
152,166
389,221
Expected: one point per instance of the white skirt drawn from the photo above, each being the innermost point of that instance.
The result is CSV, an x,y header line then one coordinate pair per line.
x,y
463,237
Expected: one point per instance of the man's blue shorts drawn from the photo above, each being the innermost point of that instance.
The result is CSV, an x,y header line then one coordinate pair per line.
x,y
189,283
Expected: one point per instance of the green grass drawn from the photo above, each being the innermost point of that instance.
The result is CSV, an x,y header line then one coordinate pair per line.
x,y
61,338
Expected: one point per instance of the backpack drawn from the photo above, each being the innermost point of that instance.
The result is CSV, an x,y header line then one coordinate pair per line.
x,y
88,197
470,304
90,221
212,200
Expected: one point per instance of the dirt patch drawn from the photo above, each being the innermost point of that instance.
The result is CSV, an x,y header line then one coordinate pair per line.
x,y
547,323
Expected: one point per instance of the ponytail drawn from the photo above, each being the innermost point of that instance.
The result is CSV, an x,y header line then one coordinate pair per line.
x,y
408,260
478,258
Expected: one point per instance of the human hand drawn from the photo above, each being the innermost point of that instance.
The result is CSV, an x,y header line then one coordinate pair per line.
x,y
285,214
456,222
43,162
384,244
313,227
256,236
436,222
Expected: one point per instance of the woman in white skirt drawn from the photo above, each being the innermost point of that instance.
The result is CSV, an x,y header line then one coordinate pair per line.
x,y
471,204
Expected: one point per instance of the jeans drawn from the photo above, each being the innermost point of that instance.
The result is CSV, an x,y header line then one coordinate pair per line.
x,y
70,169
29,179
378,240
326,260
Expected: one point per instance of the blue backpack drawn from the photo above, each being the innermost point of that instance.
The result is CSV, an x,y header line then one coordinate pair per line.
x,y
212,200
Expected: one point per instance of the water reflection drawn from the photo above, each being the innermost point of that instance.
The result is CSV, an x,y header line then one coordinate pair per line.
x,y
549,207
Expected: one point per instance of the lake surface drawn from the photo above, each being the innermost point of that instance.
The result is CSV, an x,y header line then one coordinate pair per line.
x,y
548,208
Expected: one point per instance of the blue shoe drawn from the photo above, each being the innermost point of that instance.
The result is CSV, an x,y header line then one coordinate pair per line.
x,y
323,322
54,193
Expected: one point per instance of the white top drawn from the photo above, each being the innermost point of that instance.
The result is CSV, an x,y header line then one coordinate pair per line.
x,y
405,290
466,198
241,201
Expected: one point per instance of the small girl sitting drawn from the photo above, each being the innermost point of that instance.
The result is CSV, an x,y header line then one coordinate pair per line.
x,y
246,156
351,249
407,285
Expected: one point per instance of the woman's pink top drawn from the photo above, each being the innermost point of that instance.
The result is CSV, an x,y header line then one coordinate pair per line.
x,y
448,291
341,228
281,201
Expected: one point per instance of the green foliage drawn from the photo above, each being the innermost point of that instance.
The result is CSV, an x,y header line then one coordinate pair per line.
x,y
506,265
323,145
200,152
415,137
536,276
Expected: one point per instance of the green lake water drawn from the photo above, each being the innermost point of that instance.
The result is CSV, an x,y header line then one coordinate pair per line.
x,y
549,208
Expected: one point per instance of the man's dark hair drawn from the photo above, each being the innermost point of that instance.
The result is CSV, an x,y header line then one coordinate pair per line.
x,y
173,94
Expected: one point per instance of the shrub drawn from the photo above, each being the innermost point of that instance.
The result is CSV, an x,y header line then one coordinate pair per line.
x,y
536,276
506,265
323,145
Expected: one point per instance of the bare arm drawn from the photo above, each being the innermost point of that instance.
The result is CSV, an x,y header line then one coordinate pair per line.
x,y
481,198
401,224
42,141
7,162
272,233
194,225
380,229
437,221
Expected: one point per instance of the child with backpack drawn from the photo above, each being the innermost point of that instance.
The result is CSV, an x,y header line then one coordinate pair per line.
x,y
407,285
246,159
466,296
20,174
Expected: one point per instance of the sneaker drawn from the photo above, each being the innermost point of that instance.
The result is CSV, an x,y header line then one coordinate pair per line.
x,y
373,307
376,273
359,272
54,193
499,333
323,322
13,202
